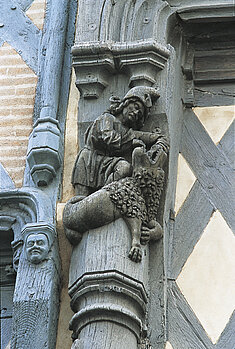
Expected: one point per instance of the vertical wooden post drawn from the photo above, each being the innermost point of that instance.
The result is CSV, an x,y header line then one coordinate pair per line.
x,y
108,290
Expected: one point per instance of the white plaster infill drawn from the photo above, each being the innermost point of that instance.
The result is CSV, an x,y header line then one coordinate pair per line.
x,y
168,345
207,280
185,181
216,120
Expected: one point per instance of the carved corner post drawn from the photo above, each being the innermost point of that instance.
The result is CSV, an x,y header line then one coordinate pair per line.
x,y
109,287
119,178
28,213
116,197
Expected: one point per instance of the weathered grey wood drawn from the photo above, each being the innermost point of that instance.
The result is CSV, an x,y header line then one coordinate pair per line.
x,y
53,40
204,11
106,249
20,32
102,334
226,144
207,95
108,290
45,144
190,222
209,165
220,63
35,301
119,21
227,338
36,295
184,329
156,309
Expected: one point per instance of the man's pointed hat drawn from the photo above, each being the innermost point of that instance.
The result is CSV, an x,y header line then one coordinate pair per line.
x,y
147,95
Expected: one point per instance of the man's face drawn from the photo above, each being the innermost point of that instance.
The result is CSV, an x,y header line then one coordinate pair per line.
x,y
37,247
133,114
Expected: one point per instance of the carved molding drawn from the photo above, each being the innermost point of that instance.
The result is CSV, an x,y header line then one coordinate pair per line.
x,y
44,154
208,13
45,143
113,285
95,63
20,207
142,60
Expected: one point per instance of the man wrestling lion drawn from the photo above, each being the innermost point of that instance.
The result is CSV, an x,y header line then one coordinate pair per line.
x,y
119,173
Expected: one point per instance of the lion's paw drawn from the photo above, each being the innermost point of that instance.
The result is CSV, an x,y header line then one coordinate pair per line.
x,y
135,254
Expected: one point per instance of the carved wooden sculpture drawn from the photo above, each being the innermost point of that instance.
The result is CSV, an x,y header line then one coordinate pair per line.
x,y
130,190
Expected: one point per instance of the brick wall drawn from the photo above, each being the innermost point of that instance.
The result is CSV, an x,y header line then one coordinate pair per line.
x,y
17,94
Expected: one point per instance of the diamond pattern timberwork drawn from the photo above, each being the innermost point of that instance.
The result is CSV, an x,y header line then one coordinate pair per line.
x,y
216,120
185,181
203,248
207,280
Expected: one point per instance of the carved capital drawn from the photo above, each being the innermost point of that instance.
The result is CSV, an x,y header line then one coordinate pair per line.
x,y
44,150
142,59
93,63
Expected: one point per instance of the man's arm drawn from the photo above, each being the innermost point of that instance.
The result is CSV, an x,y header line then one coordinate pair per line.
x,y
149,138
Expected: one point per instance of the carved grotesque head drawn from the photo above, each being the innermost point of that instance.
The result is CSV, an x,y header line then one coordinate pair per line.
x,y
37,247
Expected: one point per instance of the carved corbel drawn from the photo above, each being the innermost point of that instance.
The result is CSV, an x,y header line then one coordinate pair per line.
x,y
36,298
93,63
142,60
188,71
